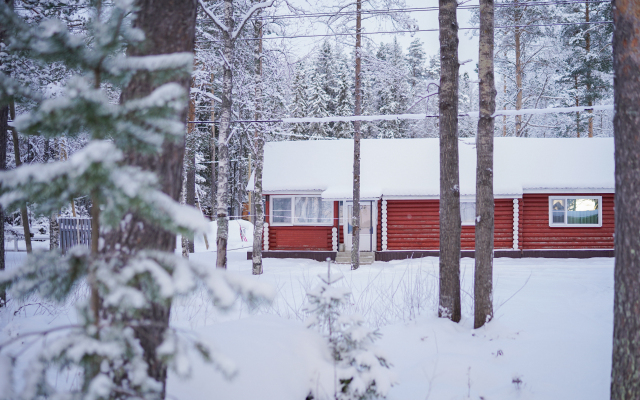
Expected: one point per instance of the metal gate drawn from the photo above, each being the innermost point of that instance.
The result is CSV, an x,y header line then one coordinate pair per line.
x,y
74,231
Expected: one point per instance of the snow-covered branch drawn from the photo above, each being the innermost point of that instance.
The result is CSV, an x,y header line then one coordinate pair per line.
x,y
248,15
213,17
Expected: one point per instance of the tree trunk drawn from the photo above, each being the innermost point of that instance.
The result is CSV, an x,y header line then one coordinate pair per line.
x,y
587,39
449,171
483,279
504,117
223,134
54,229
355,215
184,241
4,126
575,77
191,166
169,27
23,209
259,158
519,72
626,125
213,150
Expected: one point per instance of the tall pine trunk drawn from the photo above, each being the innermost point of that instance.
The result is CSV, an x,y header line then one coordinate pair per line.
x,y
24,214
258,227
213,149
483,279
518,32
169,27
4,127
449,171
191,166
355,215
625,383
225,131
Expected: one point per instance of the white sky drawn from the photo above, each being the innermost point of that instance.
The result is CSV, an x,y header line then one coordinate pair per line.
x,y
468,48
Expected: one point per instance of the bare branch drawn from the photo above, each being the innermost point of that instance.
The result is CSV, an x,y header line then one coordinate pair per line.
x,y
215,19
249,14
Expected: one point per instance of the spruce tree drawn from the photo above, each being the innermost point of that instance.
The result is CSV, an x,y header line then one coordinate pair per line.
x,y
121,343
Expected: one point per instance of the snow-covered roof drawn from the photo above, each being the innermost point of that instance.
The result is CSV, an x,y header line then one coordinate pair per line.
x,y
410,167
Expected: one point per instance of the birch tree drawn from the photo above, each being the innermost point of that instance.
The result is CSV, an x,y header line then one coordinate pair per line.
x,y
258,143
626,319
450,224
229,32
483,279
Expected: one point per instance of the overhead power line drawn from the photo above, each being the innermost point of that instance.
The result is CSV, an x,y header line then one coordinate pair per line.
x,y
398,117
409,31
424,9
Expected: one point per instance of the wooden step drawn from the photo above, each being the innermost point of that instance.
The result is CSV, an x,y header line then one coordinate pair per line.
x,y
366,257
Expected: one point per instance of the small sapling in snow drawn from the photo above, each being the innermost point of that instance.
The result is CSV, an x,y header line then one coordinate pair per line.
x,y
360,370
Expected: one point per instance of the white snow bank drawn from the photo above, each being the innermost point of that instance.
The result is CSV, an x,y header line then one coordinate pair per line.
x,y
410,167
240,237
551,332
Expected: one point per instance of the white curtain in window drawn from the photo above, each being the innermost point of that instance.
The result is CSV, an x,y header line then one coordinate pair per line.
x,y
312,210
468,212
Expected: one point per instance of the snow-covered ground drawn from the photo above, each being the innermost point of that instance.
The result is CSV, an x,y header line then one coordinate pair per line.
x,y
550,338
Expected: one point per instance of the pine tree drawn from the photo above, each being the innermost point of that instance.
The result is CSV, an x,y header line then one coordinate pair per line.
x,y
300,106
587,65
415,60
361,371
122,343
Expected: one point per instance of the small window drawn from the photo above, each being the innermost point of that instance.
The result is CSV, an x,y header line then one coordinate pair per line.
x,y
573,211
301,210
281,211
468,212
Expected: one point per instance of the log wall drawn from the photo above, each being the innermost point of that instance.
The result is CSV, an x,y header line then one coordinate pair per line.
x,y
414,225
535,232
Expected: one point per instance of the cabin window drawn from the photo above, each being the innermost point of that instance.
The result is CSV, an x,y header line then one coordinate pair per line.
x,y
575,211
301,210
468,212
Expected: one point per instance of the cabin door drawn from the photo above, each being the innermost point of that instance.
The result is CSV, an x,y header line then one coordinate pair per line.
x,y
367,225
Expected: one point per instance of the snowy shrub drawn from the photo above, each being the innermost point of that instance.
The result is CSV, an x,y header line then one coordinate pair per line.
x,y
361,370
131,289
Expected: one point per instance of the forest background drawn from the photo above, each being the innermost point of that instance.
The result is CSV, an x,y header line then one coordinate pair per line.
x,y
547,54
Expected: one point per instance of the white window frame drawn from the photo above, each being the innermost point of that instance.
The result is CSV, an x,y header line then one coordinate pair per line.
x,y
566,204
293,204
473,221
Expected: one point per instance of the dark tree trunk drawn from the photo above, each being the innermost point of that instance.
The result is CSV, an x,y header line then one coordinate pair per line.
x,y
355,215
625,381
191,167
169,27
191,190
483,279
449,171
24,213
214,179
4,127
54,229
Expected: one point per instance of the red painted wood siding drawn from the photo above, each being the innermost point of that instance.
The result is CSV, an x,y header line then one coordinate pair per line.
x,y
414,225
301,237
537,234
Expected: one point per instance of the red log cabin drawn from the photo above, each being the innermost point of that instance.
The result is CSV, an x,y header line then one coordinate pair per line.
x,y
553,197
